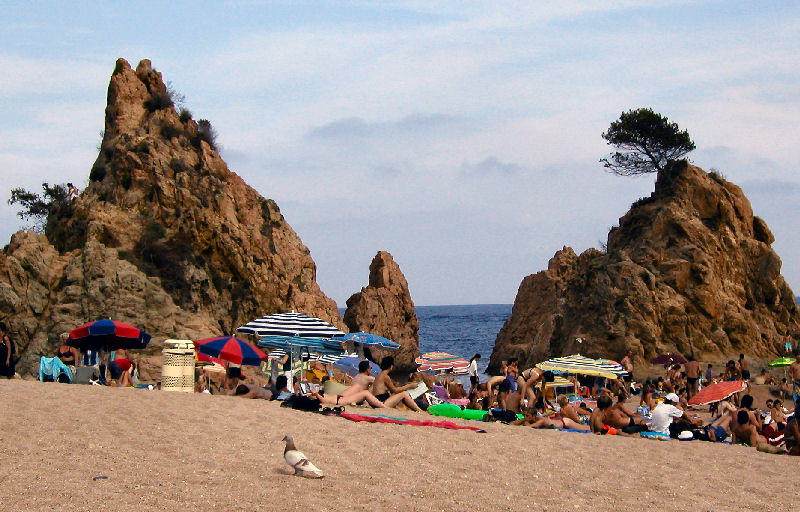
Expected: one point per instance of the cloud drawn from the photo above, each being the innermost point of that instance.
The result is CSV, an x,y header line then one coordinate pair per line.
x,y
414,124
770,187
491,165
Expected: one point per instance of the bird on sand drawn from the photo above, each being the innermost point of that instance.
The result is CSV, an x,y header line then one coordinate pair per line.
x,y
295,458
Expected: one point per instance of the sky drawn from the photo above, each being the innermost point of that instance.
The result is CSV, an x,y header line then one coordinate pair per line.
x,y
462,137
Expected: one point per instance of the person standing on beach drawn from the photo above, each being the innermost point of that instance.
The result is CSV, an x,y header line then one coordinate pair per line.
x,y
794,375
473,371
7,349
744,368
627,363
692,376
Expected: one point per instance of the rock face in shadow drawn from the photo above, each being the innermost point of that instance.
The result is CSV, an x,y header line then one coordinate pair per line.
x,y
164,237
385,308
689,270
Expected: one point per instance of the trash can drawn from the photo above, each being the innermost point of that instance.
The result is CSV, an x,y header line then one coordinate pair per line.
x,y
177,366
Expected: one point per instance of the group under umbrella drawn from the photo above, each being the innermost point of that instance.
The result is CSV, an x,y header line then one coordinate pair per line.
x,y
231,349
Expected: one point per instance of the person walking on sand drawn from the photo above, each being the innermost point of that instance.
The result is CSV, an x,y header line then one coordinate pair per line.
x,y
387,392
692,376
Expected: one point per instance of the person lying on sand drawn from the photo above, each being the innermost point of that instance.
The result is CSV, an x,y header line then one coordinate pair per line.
x,y
553,421
387,392
606,414
719,429
351,399
252,391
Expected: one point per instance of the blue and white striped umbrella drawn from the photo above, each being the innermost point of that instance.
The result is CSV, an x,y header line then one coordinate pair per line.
x,y
290,324
297,345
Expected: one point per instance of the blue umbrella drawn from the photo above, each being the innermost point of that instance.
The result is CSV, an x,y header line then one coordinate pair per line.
x,y
231,349
369,340
349,365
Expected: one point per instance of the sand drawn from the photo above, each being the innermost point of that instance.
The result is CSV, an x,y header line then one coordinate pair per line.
x,y
173,451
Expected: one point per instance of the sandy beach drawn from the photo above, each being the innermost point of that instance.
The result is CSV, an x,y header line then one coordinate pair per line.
x,y
167,451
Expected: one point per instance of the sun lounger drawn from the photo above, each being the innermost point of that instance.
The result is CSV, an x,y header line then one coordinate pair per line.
x,y
442,395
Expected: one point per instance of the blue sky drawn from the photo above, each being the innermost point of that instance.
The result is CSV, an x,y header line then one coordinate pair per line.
x,y
462,137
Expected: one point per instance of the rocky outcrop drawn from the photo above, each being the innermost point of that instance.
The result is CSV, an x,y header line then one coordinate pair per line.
x,y
165,237
385,308
688,270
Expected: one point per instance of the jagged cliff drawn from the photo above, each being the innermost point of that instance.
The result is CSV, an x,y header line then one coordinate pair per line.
x,y
165,237
385,308
689,269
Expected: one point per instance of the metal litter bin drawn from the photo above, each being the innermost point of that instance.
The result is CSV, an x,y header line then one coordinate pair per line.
x,y
177,367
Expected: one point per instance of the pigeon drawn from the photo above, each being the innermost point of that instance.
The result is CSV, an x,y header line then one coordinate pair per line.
x,y
295,458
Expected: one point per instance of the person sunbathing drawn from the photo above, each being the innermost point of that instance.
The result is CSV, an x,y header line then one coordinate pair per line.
x,y
777,414
252,391
390,394
719,429
612,416
743,430
555,420
351,399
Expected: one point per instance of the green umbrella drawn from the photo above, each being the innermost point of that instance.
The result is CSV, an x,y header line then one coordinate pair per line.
x,y
782,361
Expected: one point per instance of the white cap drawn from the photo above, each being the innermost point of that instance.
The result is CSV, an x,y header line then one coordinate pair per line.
x,y
672,397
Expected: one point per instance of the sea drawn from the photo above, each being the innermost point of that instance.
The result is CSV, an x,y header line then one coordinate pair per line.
x,y
463,330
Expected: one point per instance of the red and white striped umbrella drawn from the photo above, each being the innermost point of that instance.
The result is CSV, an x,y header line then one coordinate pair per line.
x,y
441,362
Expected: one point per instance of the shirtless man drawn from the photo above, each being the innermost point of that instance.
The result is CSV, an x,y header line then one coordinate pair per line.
x,y
607,414
387,392
791,435
794,376
692,375
744,427
627,363
744,368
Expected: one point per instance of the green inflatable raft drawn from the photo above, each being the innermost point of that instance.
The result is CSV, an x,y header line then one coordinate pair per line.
x,y
455,411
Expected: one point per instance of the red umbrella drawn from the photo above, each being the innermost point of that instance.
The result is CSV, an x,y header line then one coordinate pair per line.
x,y
108,335
669,359
717,392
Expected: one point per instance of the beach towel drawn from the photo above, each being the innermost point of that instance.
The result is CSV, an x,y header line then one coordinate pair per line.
x,y
51,368
403,421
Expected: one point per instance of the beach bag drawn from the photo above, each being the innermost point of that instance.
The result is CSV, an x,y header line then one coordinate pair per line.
x,y
303,403
503,415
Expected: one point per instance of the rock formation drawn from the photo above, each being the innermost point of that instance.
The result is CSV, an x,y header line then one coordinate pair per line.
x,y
688,270
385,308
164,237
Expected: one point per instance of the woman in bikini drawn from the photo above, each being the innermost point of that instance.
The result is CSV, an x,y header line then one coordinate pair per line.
x,y
530,378
68,355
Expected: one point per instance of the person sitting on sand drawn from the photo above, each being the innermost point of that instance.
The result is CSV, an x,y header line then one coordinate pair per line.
x,y
508,400
646,399
477,397
777,414
731,372
68,355
742,429
282,388
568,410
791,434
664,413
387,392
605,416
252,391
121,370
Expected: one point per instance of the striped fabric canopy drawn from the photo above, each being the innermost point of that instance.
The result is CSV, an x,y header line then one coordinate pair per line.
x,y
579,364
560,382
442,361
298,345
290,324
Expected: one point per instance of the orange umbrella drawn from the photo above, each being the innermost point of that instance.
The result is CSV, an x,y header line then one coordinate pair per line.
x,y
717,392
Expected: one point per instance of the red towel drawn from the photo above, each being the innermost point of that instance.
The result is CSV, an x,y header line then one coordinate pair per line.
x,y
416,423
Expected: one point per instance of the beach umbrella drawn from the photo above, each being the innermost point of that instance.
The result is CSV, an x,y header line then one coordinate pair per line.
x,y
231,349
582,365
669,359
369,340
204,359
107,334
781,362
716,392
349,365
441,362
290,324
296,345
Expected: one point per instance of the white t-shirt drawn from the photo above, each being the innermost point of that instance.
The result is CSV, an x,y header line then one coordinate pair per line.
x,y
473,368
662,417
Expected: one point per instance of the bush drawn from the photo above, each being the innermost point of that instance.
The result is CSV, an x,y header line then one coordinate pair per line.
x,y
205,132
185,115
642,201
158,100
169,130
